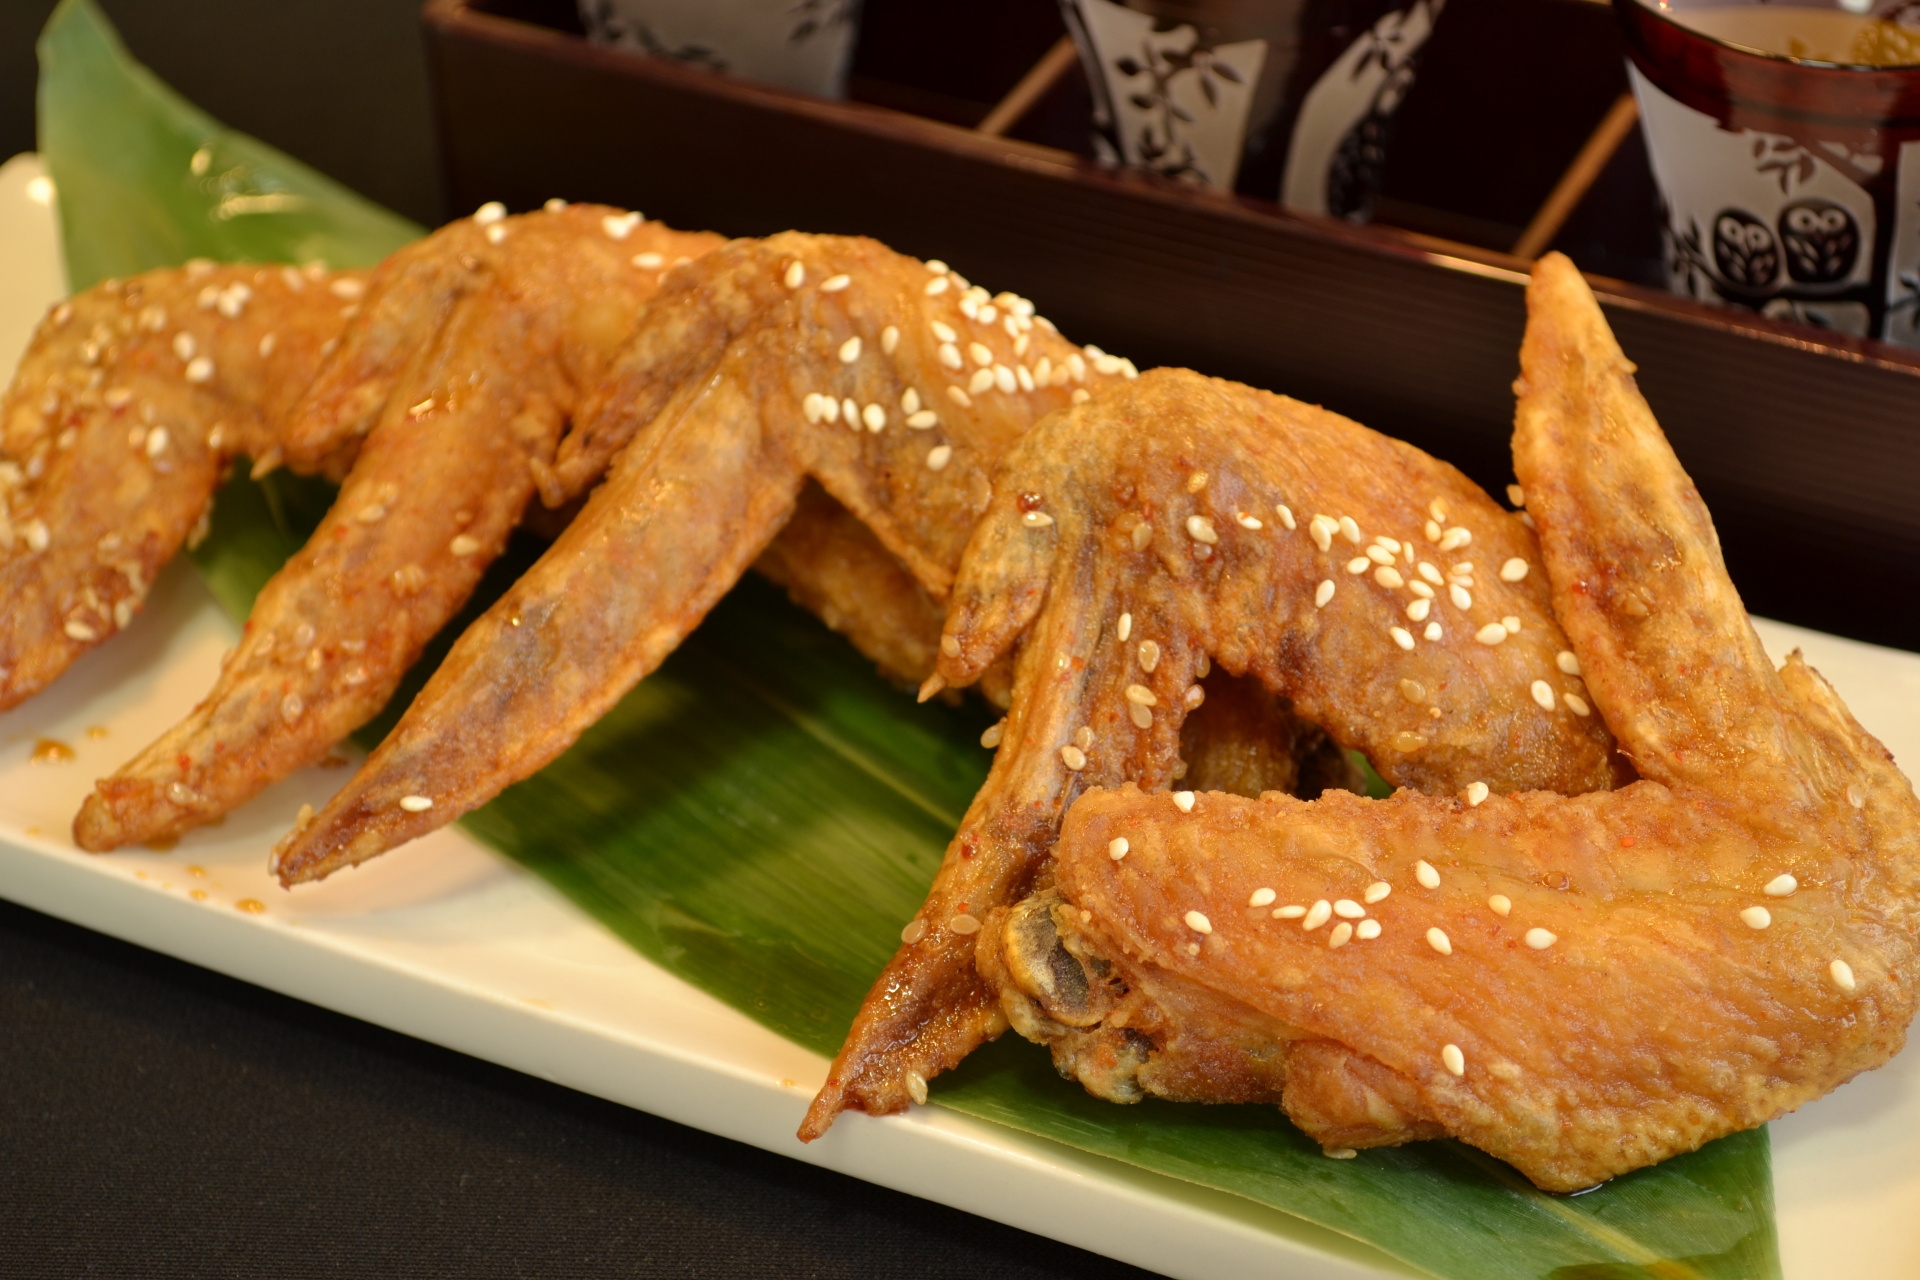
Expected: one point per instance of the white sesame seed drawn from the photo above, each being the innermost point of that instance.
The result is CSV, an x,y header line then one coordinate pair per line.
x,y
372,513
875,417
1359,564
1076,367
463,546
1073,757
1194,696
1500,903
1285,513
936,286
291,706
1492,633
850,350
1261,897
1513,570
1460,597
811,407
1433,631
1036,519
945,332
1141,695
1756,917
963,924
416,804
1512,624
1856,797
1377,891
1476,794
1541,939
1183,801
80,631
829,409
980,353
199,369
1246,521
1323,593
889,339
1003,378
1542,693
936,266
1348,909
1781,886
156,442
1842,974
619,226
917,1087
652,261
1401,636
950,355
1117,848
1338,938
489,213
834,284
939,456
1567,662
496,233
1318,914
266,345
1200,529
1453,1060
1023,375
1288,913
1321,529
994,732
1454,538
1198,923
1389,577
1349,530
184,345
37,534
1576,704
1379,554
1438,940
1123,628
1417,610
1367,930
981,382
1423,872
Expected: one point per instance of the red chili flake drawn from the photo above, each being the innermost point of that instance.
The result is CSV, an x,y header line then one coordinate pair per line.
x,y
1626,842
185,762
967,846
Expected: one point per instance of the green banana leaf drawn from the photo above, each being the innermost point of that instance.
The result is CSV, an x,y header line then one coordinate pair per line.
x,y
764,813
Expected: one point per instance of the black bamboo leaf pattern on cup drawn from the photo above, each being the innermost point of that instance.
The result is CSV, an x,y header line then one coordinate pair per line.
x,y
607,25
1165,149
812,17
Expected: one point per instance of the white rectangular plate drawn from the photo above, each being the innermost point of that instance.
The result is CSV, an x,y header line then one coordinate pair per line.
x,y
452,943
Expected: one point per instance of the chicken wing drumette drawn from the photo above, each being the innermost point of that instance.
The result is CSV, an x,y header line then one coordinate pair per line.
x,y
1178,520
1580,985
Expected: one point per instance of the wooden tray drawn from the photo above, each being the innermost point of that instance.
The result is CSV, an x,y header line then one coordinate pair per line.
x,y
1806,445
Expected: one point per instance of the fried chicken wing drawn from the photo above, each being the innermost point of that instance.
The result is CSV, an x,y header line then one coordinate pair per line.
x,y
1178,519
478,344
124,411
891,383
1580,985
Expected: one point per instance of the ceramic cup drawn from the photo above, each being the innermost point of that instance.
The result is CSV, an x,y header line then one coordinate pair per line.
x,y
796,44
1790,180
1285,99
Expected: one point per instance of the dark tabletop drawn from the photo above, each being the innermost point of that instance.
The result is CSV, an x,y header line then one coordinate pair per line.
x,y
160,1120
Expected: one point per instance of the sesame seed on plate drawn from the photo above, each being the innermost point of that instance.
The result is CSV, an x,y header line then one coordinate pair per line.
x,y
416,804
1423,872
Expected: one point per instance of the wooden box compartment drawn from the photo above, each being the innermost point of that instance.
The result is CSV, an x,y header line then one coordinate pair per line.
x,y
1805,444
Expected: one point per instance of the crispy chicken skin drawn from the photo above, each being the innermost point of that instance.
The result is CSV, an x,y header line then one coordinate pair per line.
x,y
479,343
887,381
1580,985
1178,518
128,404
